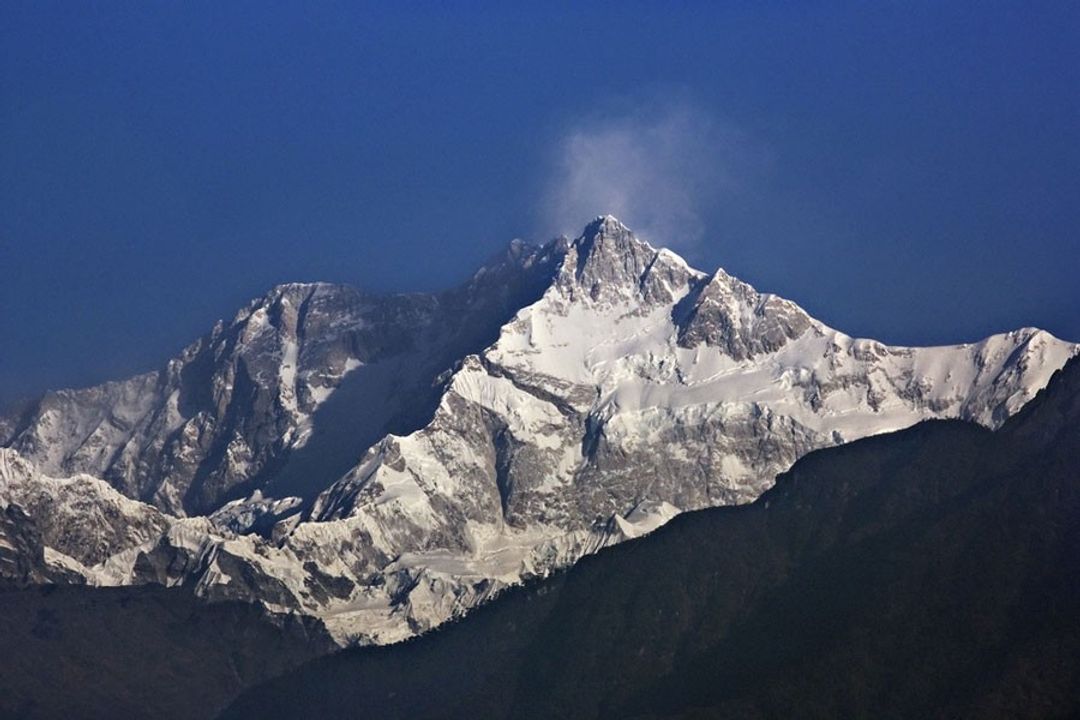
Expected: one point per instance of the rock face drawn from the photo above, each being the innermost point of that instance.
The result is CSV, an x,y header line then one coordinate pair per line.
x,y
232,413
385,463
725,312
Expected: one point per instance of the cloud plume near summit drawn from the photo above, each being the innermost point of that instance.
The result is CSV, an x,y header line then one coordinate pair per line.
x,y
661,170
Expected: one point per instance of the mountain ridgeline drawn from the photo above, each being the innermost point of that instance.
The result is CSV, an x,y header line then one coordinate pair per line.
x,y
931,572
386,463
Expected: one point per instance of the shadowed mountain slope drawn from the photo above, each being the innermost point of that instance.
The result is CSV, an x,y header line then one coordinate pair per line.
x,y
146,652
932,572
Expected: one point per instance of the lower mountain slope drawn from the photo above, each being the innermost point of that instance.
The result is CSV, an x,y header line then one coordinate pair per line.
x,y
142,652
931,572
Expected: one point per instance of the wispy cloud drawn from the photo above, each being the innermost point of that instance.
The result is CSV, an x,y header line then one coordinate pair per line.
x,y
660,169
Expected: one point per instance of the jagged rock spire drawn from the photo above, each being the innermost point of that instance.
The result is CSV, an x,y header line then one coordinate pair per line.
x,y
607,262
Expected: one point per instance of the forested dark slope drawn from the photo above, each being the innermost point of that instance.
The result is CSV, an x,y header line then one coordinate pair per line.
x,y
139,652
933,572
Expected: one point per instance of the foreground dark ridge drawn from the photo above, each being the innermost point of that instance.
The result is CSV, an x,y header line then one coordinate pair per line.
x,y
933,572
146,652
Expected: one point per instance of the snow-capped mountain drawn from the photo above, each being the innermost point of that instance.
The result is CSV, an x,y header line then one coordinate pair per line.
x,y
222,418
385,463
881,578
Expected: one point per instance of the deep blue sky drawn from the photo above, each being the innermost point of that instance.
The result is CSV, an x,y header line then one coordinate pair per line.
x,y
907,171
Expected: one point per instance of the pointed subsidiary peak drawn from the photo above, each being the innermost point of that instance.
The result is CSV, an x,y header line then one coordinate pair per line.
x,y
1053,416
725,312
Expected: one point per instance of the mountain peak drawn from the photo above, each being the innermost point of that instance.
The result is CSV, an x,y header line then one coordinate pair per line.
x,y
608,262
723,311
606,223
606,229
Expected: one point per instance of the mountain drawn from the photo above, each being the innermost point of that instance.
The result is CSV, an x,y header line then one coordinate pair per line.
x,y
240,408
385,463
137,652
933,572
